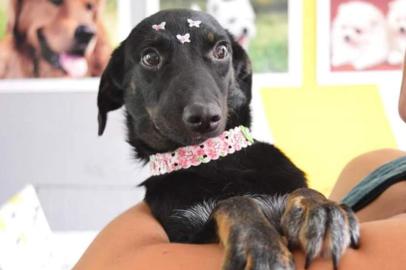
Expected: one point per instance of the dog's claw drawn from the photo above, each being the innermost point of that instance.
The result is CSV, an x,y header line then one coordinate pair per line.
x,y
257,257
308,261
335,261
353,226
250,241
319,226
256,248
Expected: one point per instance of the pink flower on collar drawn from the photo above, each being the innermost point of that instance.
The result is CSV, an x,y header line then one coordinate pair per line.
x,y
226,143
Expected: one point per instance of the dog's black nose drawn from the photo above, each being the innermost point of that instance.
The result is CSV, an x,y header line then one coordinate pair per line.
x,y
202,118
83,34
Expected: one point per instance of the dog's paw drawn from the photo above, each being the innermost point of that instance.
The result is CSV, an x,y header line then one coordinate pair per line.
x,y
319,226
250,241
256,248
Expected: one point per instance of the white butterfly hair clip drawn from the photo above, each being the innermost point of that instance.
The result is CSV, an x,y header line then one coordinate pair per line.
x,y
193,23
158,27
183,38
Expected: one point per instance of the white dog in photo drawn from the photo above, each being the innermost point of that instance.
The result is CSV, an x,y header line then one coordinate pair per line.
x,y
237,16
359,36
396,19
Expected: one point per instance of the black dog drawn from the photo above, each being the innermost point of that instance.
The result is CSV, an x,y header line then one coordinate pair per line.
x,y
183,80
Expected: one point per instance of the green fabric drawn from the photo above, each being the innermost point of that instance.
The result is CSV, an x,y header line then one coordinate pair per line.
x,y
376,183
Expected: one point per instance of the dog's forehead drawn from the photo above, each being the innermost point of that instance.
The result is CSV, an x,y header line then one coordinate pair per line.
x,y
185,26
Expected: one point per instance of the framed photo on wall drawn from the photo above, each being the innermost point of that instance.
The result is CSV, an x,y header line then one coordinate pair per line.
x,y
56,39
360,42
61,45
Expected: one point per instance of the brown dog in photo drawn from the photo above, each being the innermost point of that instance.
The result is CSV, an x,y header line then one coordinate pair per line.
x,y
54,38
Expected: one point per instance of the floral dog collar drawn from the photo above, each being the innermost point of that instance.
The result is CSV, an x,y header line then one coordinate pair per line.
x,y
226,143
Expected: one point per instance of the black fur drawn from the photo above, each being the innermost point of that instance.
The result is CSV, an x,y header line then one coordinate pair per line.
x,y
259,169
239,189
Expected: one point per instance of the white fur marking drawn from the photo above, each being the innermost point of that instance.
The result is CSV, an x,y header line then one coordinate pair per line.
x,y
198,214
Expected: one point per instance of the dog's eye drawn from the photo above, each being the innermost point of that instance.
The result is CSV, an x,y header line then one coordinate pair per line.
x,y
150,58
220,52
89,6
56,2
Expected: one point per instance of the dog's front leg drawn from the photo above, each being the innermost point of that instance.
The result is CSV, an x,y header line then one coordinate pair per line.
x,y
318,225
250,241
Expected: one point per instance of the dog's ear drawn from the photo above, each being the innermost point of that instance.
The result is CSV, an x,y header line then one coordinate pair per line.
x,y
101,52
242,68
99,9
102,49
111,89
14,9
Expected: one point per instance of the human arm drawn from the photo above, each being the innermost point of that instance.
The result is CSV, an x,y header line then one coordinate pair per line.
x,y
402,97
134,240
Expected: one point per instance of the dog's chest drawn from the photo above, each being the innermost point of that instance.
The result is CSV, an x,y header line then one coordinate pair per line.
x,y
267,172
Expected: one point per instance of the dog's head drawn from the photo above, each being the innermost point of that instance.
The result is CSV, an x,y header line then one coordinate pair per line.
x,y
397,18
237,16
182,79
359,23
62,32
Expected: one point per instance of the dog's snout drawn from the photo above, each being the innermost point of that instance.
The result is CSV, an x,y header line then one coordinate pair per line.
x,y
202,118
83,34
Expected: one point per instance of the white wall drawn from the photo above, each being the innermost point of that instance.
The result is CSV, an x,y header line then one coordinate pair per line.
x,y
50,139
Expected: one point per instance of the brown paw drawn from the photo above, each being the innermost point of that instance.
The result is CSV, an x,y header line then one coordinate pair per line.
x,y
250,241
319,226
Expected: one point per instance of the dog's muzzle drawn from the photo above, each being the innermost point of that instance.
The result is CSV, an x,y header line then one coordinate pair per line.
x,y
202,118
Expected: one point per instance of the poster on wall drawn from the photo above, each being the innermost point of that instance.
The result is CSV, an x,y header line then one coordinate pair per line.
x,y
55,38
264,28
360,41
